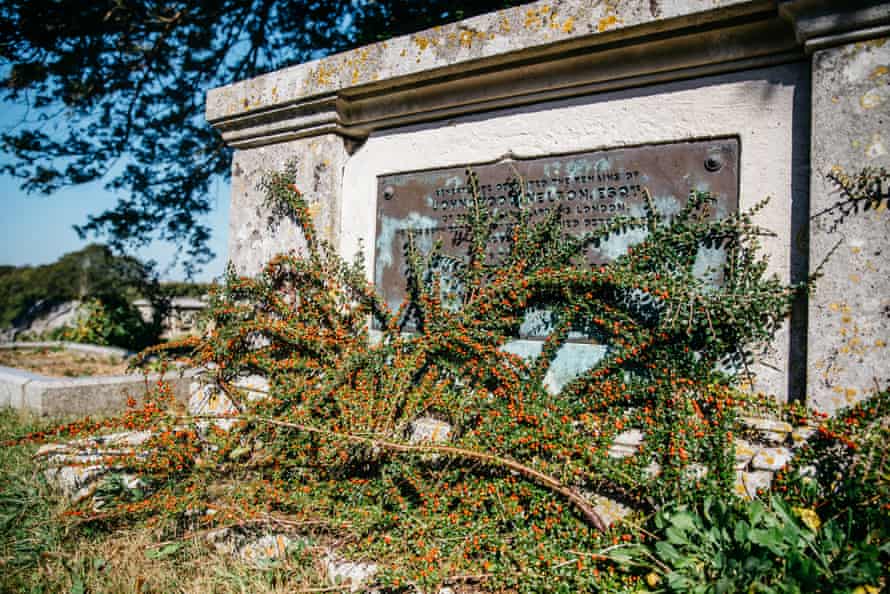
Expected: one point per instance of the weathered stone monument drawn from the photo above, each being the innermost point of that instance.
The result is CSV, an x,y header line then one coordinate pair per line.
x,y
584,107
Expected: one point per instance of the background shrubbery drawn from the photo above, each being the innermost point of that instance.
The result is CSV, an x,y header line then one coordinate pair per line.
x,y
107,285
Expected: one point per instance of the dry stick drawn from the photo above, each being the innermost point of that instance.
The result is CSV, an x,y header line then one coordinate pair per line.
x,y
295,524
545,480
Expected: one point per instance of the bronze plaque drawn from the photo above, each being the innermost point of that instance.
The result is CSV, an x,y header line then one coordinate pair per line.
x,y
588,188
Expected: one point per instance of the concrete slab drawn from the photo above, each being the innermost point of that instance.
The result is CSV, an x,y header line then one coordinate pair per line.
x,y
67,397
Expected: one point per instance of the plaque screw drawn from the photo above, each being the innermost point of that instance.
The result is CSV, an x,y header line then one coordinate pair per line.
x,y
388,192
713,163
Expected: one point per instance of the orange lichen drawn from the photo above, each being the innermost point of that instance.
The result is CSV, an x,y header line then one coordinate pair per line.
x,y
421,41
606,23
569,25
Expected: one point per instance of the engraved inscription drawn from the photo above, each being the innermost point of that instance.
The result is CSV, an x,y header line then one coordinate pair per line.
x,y
589,189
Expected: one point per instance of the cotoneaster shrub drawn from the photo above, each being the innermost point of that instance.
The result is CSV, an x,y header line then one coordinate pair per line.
x,y
506,503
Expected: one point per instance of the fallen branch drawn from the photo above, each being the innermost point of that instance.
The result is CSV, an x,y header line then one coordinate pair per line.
x,y
581,504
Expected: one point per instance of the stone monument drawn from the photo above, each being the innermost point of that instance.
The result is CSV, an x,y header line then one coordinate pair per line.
x,y
588,106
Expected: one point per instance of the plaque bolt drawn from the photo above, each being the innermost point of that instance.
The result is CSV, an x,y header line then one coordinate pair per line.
x,y
388,192
713,163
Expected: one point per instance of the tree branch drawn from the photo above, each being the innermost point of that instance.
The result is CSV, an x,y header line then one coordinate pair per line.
x,y
581,504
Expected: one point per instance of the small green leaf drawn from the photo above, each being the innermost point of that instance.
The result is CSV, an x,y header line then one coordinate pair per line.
x,y
164,551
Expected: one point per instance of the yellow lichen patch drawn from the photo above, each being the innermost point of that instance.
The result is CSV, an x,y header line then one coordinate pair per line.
x,y
871,43
323,74
879,72
606,23
743,450
505,25
855,278
569,25
846,319
355,76
534,19
871,99
421,42
880,343
855,249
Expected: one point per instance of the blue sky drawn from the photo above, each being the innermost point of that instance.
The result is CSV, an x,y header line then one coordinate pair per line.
x,y
37,229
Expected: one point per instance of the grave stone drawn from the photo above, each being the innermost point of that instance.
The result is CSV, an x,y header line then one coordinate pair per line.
x,y
800,86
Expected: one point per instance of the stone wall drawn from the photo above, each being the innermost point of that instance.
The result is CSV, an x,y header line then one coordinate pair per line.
x,y
850,312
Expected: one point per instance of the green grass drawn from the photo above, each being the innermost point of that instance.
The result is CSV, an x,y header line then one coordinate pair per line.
x,y
27,527
43,552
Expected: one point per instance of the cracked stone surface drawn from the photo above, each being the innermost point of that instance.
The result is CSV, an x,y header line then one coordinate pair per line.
x,y
626,443
768,429
207,399
74,467
429,430
771,458
748,483
744,453
349,573
256,386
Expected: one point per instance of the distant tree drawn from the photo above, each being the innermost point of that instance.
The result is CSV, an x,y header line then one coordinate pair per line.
x,y
93,272
116,88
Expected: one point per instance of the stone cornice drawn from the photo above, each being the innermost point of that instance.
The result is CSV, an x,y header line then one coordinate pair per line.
x,y
824,23
528,54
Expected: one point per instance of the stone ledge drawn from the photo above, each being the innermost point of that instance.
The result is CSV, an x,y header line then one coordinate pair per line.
x,y
93,349
63,397
526,54
540,28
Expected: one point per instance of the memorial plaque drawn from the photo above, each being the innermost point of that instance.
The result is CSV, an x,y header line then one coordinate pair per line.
x,y
589,189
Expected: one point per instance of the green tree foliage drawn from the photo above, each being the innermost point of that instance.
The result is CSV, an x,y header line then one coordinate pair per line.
x,y
93,271
108,284
122,82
